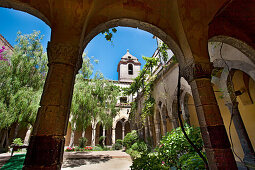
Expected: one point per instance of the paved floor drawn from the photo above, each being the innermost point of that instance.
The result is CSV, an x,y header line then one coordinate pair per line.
x,y
97,160
4,157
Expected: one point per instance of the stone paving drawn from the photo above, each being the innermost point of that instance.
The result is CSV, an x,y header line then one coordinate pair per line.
x,y
97,160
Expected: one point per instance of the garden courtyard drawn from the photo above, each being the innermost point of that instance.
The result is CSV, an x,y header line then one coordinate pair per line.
x,y
127,84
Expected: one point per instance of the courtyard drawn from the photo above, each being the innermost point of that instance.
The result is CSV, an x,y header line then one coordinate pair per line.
x,y
170,83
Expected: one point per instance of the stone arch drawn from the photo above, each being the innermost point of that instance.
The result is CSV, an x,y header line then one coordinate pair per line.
x,y
130,69
223,80
128,22
242,46
123,117
118,130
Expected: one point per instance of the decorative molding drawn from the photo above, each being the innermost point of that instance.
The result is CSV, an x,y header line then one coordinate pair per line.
x,y
64,53
196,70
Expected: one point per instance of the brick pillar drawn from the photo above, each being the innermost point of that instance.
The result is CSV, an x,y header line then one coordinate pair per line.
x,y
213,131
46,145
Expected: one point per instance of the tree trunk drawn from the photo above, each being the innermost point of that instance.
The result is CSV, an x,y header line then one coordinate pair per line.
x,y
71,139
6,139
28,134
16,131
71,144
3,138
93,139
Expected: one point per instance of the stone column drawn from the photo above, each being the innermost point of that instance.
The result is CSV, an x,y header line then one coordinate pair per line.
x,y
46,145
123,130
157,132
174,118
151,127
249,155
104,135
213,131
113,135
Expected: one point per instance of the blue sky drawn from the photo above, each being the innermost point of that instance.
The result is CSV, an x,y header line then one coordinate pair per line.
x,y
139,43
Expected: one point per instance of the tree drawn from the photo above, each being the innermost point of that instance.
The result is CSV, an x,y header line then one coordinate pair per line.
x,y
94,100
22,77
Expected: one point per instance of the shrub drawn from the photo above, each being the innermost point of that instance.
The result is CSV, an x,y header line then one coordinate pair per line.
x,y
101,141
191,161
98,148
117,146
18,142
174,145
133,153
148,162
82,142
119,141
130,139
70,149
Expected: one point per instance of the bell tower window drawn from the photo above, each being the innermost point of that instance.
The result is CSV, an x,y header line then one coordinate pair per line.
x,y
130,69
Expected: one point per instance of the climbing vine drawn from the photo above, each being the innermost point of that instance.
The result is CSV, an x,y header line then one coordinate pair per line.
x,y
145,80
108,34
144,83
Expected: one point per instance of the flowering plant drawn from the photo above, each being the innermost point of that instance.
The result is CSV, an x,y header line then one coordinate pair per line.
x,y
2,54
70,149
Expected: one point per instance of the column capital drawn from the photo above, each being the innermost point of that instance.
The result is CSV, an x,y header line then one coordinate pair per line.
x,y
196,70
64,53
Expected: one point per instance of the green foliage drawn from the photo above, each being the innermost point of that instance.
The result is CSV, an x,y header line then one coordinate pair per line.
x,y
18,142
109,33
82,142
133,153
119,141
174,152
130,139
148,162
163,50
144,82
191,161
101,141
93,99
117,146
174,145
139,146
22,77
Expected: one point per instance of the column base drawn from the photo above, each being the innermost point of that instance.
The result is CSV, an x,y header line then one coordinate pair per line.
x,y
44,152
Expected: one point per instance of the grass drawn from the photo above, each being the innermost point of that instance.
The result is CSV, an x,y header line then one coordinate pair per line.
x,y
15,163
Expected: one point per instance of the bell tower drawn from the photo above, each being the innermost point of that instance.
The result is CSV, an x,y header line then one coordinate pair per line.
x,y
128,68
